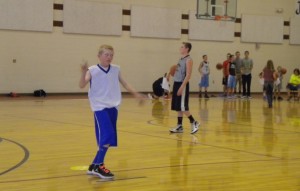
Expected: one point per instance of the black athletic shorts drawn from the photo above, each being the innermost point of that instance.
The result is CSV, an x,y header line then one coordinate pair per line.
x,y
225,80
180,103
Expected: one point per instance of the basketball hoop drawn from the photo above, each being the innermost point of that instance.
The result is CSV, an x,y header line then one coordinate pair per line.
x,y
217,10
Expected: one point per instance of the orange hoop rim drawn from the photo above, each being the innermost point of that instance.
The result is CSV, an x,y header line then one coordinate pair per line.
x,y
219,17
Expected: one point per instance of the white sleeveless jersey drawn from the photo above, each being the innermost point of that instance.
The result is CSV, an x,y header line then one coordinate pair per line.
x,y
105,91
205,68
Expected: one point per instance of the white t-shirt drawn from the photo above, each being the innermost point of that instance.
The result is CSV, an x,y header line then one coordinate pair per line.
x,y
105,91
165,84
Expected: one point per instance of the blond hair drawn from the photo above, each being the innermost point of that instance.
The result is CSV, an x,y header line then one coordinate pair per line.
x,y
105,47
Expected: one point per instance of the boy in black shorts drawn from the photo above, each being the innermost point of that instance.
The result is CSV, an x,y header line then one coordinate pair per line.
x,y
180,97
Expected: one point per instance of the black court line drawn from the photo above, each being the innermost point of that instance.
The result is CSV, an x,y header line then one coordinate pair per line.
x,y
38,179
121,179
139,169
203,144
202,164
70,176
25,158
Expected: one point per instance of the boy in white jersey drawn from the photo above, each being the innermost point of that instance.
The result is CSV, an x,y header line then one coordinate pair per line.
x,y
180,97
204,72
105,97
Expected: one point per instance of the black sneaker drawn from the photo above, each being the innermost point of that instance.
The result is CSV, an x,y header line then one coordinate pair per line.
x,y
102,172
206,96
90,169
279,98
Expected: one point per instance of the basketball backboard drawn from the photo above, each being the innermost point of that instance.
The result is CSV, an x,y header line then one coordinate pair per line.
x,y
216,9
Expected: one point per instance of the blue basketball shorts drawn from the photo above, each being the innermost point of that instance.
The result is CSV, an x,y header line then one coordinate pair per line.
x,y
204,83
231,81
106,126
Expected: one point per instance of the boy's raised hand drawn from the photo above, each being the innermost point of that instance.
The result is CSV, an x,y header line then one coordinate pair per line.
x,y
84,66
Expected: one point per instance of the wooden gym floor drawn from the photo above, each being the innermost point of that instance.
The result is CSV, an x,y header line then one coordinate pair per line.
x,y
46,144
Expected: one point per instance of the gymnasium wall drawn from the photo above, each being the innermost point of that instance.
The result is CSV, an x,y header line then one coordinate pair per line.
x,y
51,60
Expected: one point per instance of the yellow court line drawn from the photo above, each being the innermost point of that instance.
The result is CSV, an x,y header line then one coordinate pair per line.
x,y
79,167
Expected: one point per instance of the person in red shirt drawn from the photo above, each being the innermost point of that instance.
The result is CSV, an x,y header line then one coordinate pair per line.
x,y
225,74
269,75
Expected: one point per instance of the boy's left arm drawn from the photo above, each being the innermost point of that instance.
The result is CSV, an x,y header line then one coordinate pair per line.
x,y
129,88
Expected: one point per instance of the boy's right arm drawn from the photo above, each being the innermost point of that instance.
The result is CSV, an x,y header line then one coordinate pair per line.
x,y
85,76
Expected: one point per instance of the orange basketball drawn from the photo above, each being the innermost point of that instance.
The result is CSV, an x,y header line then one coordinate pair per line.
x,y
283,71
219,66
173,70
